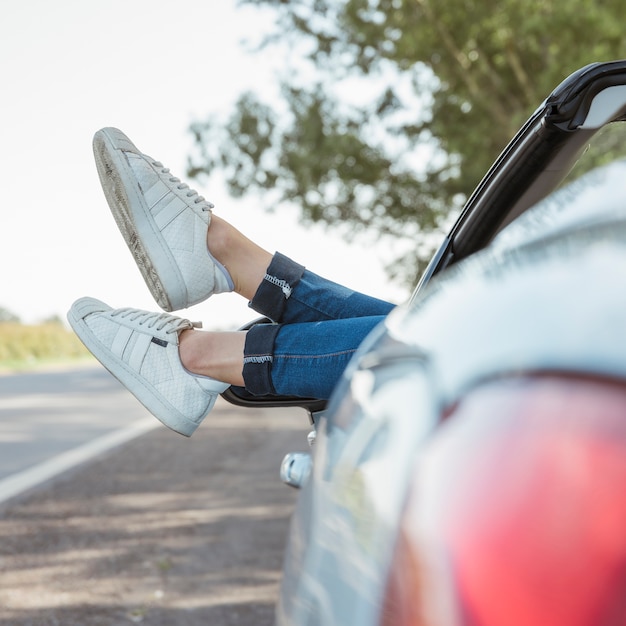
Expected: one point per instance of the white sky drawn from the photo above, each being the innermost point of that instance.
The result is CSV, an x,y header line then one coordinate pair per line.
x,y
149,67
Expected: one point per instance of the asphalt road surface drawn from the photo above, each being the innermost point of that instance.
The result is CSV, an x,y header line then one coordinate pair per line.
x,y
44,414
162,530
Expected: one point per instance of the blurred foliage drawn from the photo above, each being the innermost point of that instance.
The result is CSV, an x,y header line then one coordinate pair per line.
x,y
8,316
401,106
23,345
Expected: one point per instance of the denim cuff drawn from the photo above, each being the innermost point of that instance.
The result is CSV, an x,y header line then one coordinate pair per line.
x,y
258,356
280,280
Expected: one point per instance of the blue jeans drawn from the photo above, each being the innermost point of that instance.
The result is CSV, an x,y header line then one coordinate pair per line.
x,y
317,326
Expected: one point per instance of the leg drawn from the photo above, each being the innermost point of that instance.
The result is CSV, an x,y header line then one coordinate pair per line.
x,y
289,293
305,359
245,261
281,289
186,254
218,355
177,372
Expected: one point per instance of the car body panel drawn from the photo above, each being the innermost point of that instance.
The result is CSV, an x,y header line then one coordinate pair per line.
x,y
531,284
427,355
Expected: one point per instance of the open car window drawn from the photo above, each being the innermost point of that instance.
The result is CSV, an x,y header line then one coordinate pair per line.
x,y
579,127
593,190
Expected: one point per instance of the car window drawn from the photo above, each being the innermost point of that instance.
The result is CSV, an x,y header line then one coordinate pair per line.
x,y
593,190
606,146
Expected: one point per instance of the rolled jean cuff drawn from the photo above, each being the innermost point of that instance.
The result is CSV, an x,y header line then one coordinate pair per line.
x,y
258,358
280,280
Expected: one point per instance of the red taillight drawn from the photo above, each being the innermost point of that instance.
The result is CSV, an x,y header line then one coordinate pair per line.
x,y
517,513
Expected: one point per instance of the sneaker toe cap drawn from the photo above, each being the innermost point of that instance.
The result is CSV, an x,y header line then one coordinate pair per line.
x,y
84,307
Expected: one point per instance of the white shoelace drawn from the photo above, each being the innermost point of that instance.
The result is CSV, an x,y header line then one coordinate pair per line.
x,y
158,321
181,185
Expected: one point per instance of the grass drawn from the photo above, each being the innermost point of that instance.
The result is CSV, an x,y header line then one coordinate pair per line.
x,y
24,346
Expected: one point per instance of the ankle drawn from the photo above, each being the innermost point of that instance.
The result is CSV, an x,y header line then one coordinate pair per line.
x,y
222,242
245,261
218,355
189,351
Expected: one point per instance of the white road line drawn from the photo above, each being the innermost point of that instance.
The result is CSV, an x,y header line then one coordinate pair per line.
x,y
27,479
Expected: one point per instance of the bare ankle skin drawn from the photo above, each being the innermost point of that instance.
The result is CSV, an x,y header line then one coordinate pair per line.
x,y
245,261
218,355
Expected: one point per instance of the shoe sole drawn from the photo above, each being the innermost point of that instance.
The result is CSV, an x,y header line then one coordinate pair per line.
x,y
129,378
132,216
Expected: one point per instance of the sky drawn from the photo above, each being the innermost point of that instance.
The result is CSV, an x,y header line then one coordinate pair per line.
x,y
150,68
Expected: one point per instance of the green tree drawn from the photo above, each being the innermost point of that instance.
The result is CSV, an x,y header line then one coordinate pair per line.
x,y
396,108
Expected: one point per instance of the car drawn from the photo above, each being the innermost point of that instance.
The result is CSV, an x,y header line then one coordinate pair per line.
x,y
470,467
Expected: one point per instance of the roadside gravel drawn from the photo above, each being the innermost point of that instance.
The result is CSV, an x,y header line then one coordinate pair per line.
x,y
164,531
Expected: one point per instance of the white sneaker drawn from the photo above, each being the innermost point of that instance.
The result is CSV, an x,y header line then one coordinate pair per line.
x,y
163,221
141,350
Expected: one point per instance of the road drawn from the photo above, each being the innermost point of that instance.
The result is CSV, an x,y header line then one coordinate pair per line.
x,y
52,420
163,530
